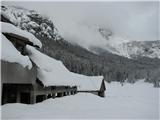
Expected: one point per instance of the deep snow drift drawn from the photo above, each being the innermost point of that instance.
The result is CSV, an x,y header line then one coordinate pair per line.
x,y
139,100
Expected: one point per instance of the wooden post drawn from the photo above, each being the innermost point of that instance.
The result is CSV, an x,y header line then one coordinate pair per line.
x,y
64,94
1,92
53,95
4,96
61,94
72,92
18,99
45,97
32,97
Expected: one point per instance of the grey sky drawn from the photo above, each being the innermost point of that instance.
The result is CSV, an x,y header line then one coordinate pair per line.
x,y
135,20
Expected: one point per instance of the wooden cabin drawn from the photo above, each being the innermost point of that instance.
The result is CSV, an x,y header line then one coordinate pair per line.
x,y
100,92
20,84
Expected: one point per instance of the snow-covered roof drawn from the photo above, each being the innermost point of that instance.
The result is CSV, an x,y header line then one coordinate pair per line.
x,y
9,28
53,72
11,54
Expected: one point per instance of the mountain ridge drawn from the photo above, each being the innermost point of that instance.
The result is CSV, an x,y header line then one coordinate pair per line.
x,y
78,59
131,49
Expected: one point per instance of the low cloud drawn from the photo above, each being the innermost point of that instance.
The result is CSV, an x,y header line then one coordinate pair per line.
x,y
78,21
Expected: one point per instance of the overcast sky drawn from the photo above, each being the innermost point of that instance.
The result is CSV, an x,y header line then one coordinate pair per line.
x,y
133,20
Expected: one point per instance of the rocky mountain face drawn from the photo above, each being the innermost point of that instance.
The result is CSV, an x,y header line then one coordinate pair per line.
x,y
133,49
31,21
149,49
79,60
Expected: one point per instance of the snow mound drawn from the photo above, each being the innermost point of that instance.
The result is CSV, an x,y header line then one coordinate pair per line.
x,y
11,54
9,28
53,72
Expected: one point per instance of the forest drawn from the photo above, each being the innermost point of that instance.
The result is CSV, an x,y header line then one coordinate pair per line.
x,y
111,66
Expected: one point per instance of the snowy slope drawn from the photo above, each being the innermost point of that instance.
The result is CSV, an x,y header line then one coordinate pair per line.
x,y
130,49
30,21
149,49
138,101
136,49
83,34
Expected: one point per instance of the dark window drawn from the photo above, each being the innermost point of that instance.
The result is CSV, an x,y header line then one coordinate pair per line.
x,y
25,98
12,97
9,94
39,98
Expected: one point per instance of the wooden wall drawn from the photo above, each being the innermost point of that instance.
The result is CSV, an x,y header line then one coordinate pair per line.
x,y
16,73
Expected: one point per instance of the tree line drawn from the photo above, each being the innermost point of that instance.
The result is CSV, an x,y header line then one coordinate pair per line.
x,y
112,67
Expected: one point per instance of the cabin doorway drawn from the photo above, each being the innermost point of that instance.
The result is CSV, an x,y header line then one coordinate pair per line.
x,y
25,97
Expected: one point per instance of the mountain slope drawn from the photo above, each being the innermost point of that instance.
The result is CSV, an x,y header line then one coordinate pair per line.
x,y
149,49
53,44
76,58
130,49
31,21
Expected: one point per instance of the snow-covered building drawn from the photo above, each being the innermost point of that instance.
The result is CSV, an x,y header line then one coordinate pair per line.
x,y
53,72
19,73
29,76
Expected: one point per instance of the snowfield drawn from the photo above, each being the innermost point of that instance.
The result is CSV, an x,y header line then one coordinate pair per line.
x,y
137,101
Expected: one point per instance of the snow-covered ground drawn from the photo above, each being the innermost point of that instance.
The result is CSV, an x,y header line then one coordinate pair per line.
x,y
137,101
